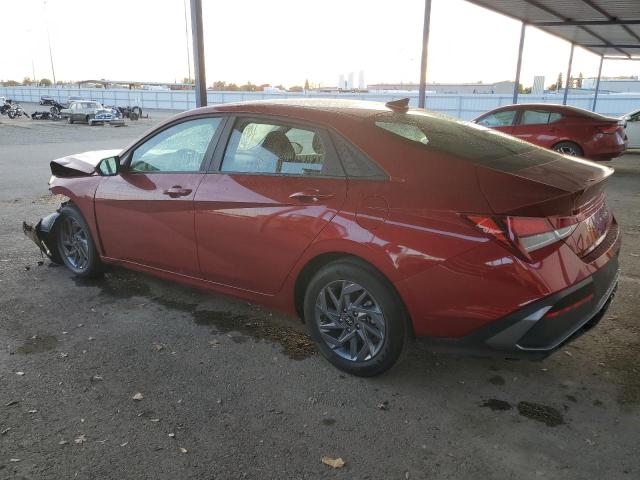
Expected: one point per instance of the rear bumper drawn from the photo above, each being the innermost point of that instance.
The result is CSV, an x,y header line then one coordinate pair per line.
x,y
545,325
541,327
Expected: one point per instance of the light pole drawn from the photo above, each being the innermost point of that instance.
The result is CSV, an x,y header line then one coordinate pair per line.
x,y
186,34
46,22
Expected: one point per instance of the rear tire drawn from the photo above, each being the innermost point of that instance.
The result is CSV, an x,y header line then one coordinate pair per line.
x,y
75,246
365,332
69,120
568,148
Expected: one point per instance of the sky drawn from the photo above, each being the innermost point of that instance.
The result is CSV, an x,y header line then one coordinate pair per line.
x,y
279,42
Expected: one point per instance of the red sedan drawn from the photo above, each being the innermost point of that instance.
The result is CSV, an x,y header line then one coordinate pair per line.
x,y
373,223
568,130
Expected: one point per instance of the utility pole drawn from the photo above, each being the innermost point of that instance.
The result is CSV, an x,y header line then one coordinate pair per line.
x,y
422,90
186,34
46,22
198,53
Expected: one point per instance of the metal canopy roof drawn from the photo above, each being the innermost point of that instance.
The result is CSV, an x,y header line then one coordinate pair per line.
x,y
604,27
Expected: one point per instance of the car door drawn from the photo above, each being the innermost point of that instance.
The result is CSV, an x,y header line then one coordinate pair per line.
x,y
145,214
633,130
501,120
539,126
273,187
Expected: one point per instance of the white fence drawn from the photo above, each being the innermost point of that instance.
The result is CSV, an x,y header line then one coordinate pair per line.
x,y
465,107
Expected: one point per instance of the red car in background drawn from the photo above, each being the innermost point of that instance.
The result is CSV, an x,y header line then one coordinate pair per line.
x,y
372,223
568,130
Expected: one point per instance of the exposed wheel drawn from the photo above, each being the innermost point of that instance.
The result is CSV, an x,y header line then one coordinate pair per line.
x,y
133,116
568,148
54,110
11,113
75,245
355,317
69,120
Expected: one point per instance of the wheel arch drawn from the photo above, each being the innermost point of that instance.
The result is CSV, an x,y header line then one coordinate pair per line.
x,y
316,263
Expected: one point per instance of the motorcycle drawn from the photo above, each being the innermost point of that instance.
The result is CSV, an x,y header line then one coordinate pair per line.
x,y
15,110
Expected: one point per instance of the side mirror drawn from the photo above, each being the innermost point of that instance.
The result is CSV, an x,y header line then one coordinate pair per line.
x,y
109,167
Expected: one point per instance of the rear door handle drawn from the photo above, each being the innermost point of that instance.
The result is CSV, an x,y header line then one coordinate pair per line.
x,y
310,196
177,191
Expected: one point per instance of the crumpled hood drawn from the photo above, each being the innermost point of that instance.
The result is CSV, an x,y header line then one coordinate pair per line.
x,y
80,164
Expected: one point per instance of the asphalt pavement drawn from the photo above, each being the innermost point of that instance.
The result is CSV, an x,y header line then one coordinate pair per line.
x,y
130,376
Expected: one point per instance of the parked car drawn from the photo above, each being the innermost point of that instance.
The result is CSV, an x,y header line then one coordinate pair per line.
x,y
373,223
565,129
47,100
90,112
633,129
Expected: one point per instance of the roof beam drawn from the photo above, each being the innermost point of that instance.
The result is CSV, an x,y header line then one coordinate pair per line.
x,y
551,11
606,14
617,46
580,23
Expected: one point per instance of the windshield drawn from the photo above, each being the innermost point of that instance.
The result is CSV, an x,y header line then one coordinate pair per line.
x,y
469,141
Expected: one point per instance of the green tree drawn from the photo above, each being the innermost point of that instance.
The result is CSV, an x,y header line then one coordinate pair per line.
x,y
579,81
232,87
306,84
219,85
45,82
559,81
248,87
188,80
27,81
11,83
295,88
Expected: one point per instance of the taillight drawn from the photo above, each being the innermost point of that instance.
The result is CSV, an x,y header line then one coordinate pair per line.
x,y
524,235
609,128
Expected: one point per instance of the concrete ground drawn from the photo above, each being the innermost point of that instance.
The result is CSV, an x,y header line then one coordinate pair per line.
x,y
229,390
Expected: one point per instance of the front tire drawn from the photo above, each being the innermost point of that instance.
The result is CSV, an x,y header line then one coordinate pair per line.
x,y
356,318
75,245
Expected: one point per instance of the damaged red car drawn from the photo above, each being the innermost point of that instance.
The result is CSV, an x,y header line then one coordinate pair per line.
x,y
373,223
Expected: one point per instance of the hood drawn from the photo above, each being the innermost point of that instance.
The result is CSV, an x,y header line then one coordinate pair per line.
x,y
542,183
80,164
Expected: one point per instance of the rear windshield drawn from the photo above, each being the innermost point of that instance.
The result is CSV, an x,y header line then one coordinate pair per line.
x,y
468,141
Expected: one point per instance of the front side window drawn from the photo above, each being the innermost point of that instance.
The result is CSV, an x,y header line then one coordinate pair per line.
x,y
180,148
503,118
539,117
261,147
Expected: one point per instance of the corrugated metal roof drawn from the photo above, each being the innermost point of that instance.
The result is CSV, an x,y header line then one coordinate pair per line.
x,y
604,27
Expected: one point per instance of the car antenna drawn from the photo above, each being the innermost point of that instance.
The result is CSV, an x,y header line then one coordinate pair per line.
x,y
401,105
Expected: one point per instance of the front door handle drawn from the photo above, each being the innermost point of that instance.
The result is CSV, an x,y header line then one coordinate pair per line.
x,y
310,196
177,191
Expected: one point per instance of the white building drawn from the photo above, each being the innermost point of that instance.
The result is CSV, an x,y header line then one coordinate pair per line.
x,y
614,85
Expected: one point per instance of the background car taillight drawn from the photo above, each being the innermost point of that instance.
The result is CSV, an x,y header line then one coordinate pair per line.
x,y
609,129
524,235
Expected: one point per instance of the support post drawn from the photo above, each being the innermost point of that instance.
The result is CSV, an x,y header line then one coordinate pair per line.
x,y
425,50
520,48
198,53
595,96
566,80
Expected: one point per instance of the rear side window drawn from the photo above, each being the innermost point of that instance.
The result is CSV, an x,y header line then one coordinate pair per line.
x,y
257,146
539,117
503,118
467,141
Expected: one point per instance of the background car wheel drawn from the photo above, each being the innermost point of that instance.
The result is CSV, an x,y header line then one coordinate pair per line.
x,y
568,148
54,110
356,318
69,120
75,245
11,114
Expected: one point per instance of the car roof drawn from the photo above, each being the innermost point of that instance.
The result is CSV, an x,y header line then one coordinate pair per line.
x,y
303,107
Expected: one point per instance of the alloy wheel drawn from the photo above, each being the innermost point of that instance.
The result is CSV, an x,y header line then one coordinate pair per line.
x,y
567,150
350,320
75,243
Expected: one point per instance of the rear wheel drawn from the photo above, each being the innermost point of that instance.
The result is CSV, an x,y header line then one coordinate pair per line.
x,y
568,148
69,120
356,318
75,245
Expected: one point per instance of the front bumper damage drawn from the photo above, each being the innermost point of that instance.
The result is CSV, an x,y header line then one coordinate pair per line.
x,y
43,235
